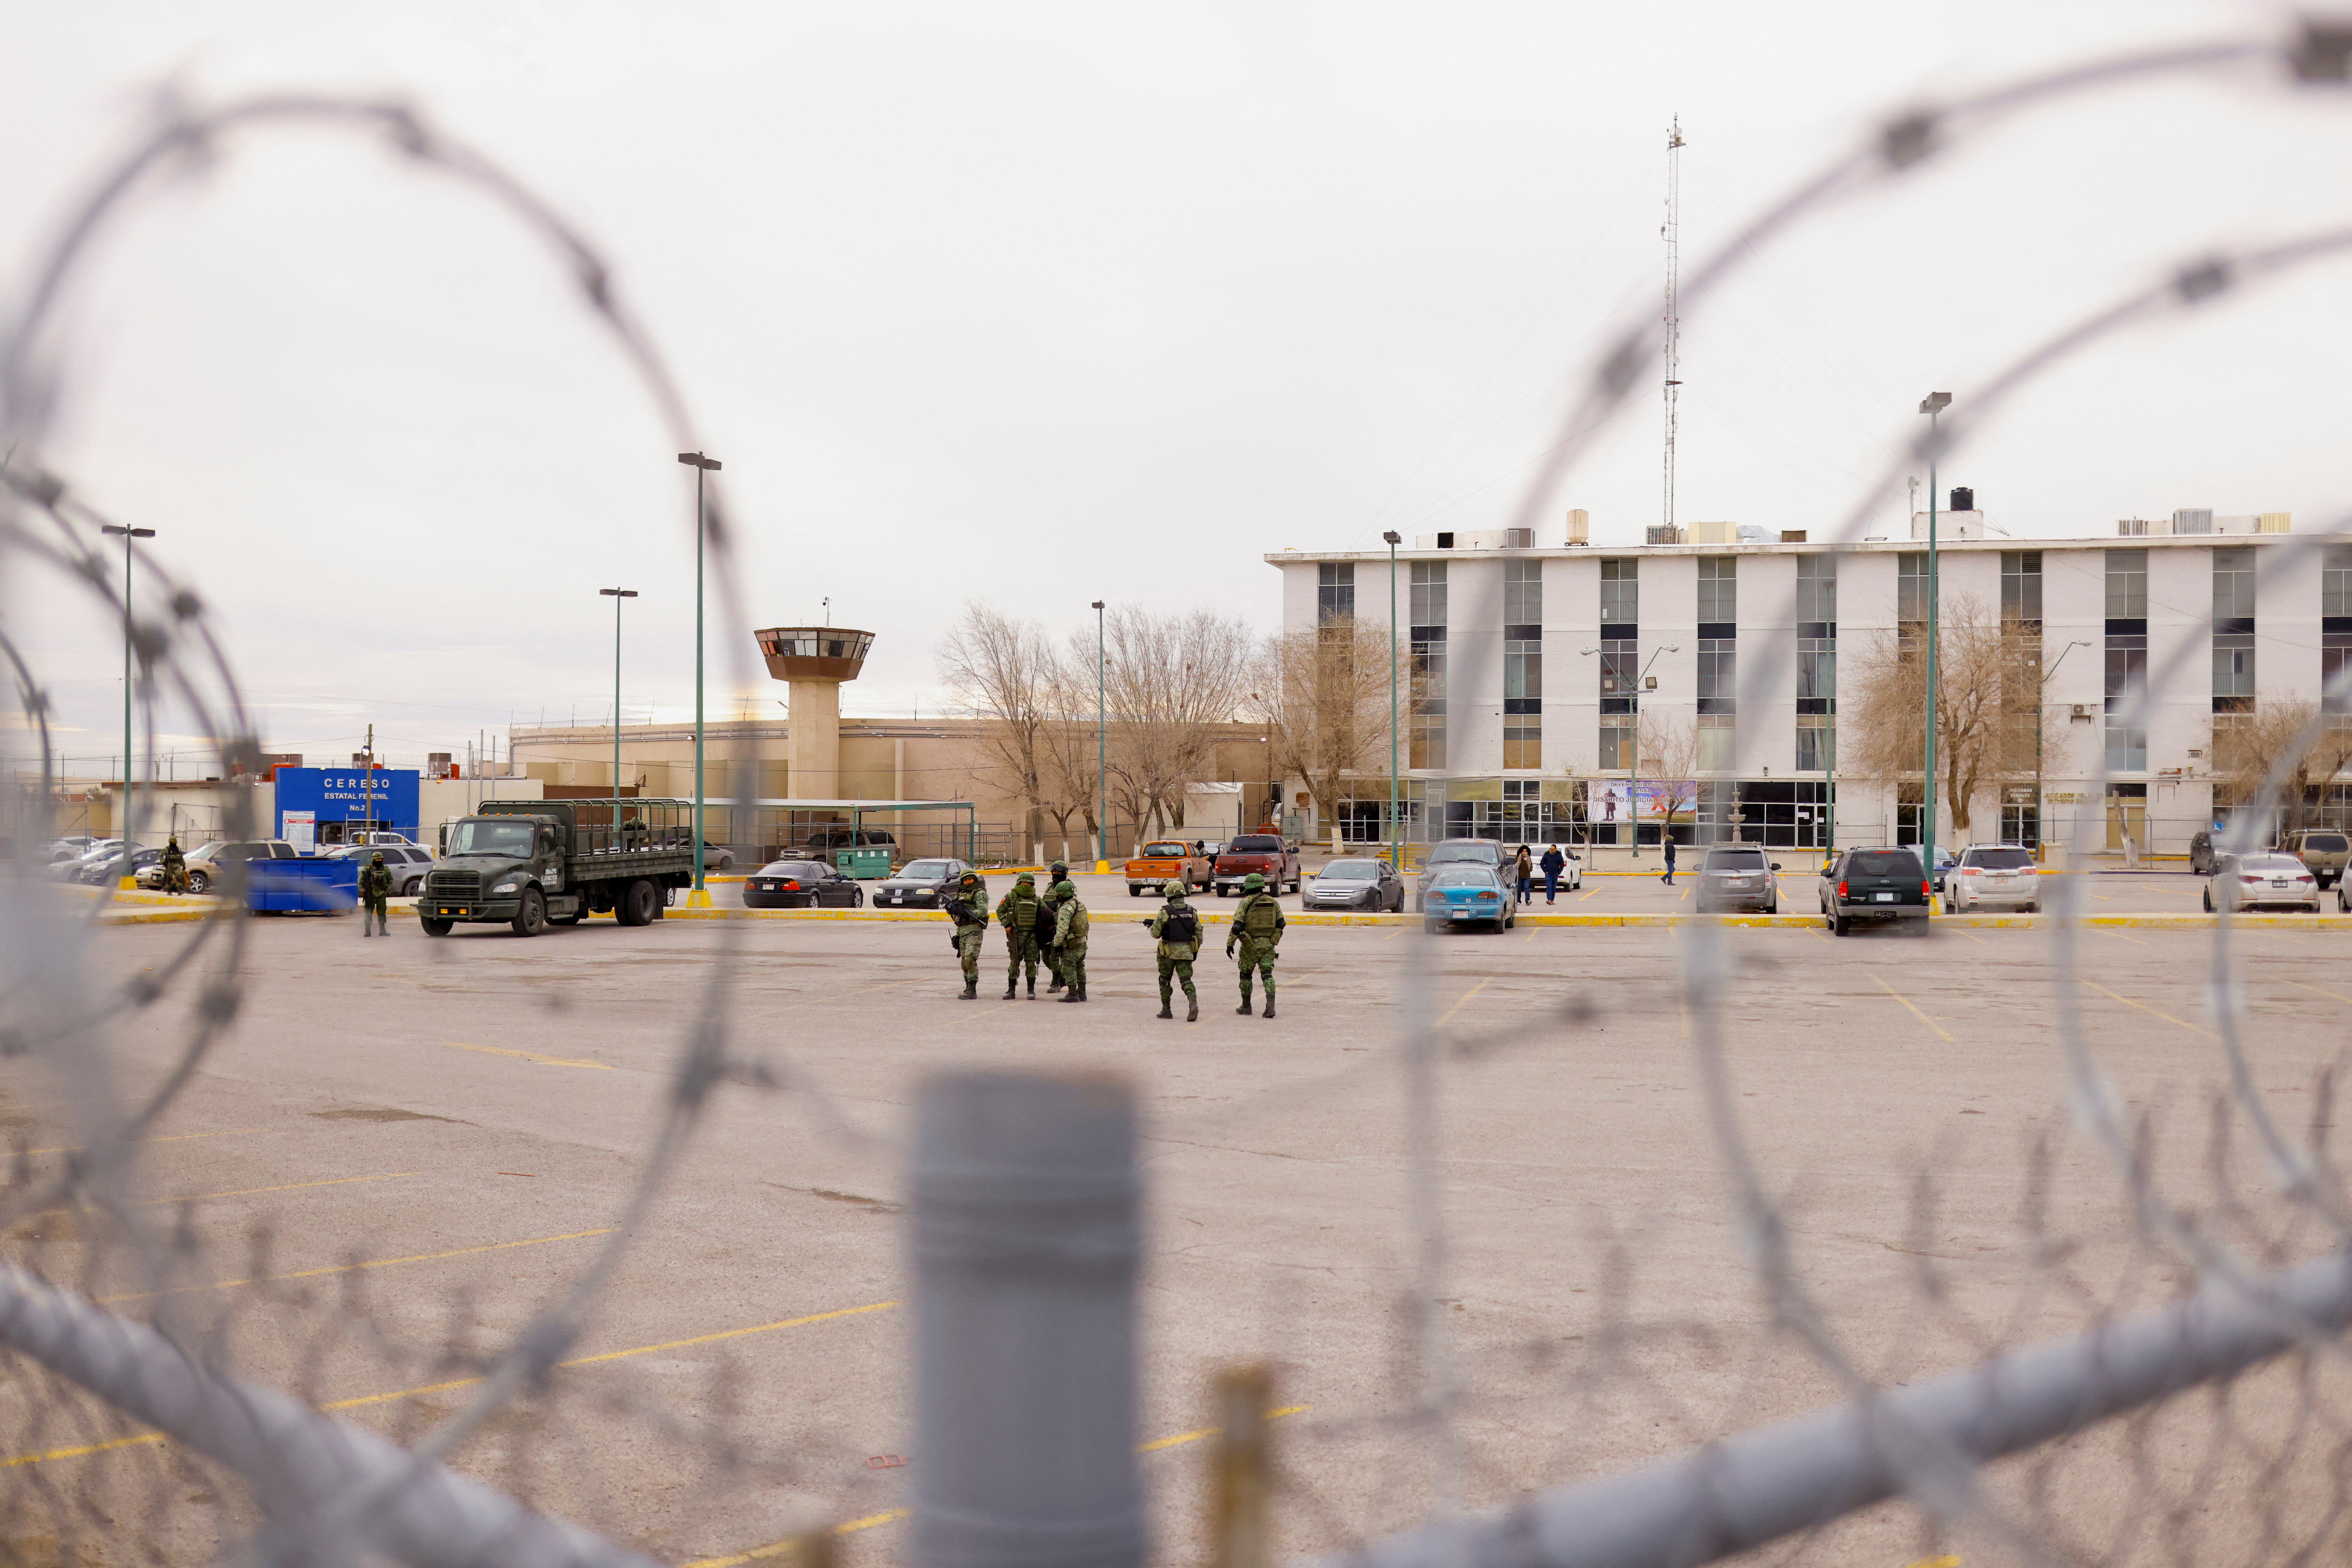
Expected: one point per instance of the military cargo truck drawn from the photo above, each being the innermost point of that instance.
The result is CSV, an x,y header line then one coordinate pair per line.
x,y
533,863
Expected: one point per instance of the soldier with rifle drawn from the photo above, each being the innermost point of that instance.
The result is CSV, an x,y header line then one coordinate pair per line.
x,y
968,907
1019,914
1177,929
1070,938
1257,927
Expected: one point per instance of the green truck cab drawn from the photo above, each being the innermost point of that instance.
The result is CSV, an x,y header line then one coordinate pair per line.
x,y
531,863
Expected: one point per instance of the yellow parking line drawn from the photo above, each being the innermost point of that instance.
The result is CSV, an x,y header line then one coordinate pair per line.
x,y
175,1138
2331,995
527,1055
1908,1003
2151,1011
1464,998
369,1263
778,1548
288,1187
1595,893
367,1399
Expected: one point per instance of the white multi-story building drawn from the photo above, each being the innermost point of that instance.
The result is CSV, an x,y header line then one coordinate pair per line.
x,y
1537,664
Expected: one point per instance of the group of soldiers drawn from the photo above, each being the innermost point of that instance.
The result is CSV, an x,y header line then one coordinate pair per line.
x,y
1050,929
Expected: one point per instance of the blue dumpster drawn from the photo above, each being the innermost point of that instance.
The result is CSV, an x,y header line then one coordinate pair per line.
x,y
302,887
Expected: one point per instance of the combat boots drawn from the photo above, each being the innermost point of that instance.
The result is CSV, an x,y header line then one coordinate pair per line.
x,y
1269,1007
1163,1008
1055,985
1192,1009
1245,1009
1074,995
1011,987
1032,988
971,992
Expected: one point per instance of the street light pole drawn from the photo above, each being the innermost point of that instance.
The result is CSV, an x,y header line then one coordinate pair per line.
x,y
1933,405
617,596
700,897
123,832
1396,835
1102,753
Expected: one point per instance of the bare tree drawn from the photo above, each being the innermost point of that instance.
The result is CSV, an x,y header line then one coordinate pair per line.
x,y
1323,693
1002,673
1670,766
1173,683
2248,746
1067,745
1986,682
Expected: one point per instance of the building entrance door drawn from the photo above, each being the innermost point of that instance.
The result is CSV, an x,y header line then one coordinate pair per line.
x,y
2127,817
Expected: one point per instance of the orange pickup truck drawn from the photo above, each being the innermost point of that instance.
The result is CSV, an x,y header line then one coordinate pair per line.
x,y
1163,861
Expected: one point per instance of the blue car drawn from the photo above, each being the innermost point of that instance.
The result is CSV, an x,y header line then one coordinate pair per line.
x,y
1465,893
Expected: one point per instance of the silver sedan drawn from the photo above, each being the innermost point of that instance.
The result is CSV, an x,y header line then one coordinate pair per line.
x,y
2260,880
1365,884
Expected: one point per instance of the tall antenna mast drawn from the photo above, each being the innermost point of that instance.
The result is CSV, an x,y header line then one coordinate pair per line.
x,y
1671,233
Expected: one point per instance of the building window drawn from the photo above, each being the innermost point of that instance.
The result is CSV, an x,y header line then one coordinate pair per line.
x,y
1621,592
1816,675
1817,591
1335,590
2021,587
2127,703
2234,583
2335,673
1616,743
1911,585
2233,672
1718,675
1816,743
2336,581
1719,589
1620,665
1522,664
2126,584
1427,741
1716,743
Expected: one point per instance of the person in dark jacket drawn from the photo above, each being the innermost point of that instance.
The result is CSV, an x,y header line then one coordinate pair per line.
x,y
1669,878
1523,867
1553,864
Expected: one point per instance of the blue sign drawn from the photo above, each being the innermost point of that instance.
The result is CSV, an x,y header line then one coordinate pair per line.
x,y
385,796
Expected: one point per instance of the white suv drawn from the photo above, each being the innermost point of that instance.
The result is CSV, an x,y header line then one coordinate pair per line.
x,y
1994,876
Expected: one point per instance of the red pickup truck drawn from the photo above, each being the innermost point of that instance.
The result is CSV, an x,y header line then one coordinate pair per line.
x,y
1263,852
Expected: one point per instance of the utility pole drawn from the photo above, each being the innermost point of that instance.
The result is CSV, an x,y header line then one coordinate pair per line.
x,y
370,828
617,596
123,830
1396,831
1671,233
700,898
1932,405
1102,751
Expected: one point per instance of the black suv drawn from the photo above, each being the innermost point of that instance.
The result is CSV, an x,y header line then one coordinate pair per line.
x,y
1874,885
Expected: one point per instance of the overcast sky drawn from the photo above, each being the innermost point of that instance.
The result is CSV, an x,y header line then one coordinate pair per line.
x,y
1040,304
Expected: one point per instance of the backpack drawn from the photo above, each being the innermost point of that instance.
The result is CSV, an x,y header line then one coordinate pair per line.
x,y
1182,928
1261,919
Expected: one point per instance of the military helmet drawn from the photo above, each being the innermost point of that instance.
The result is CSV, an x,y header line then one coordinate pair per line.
x,y
1174,889
1253,883
1025,876
970,875
1060,869
376,858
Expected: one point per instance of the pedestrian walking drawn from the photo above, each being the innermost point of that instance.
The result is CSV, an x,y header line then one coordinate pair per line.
x,y
1177,929
376,886
968,907
1526,875
1017,912
1553,864
176,866
1669,878
1257,928
1070,938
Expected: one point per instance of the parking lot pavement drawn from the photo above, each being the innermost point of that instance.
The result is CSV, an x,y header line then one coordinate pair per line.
x,y
466,1117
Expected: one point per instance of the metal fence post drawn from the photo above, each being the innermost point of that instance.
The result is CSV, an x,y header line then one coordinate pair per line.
x,y
1025,1237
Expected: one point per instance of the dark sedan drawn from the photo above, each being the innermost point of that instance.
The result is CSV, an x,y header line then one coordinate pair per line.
x,y
1874,885
918,885
800,885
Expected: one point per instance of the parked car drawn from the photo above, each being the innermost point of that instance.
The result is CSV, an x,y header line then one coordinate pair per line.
x,y
1165,860
208,862
717,857
2200,852
109,866
2002,876
1945,859
1456,851
68,869
352,840
1370,884
1874,885
2263,878
824,842
800,885
73,848
1735,879
918,884
1267,854
2324,850
1464,892
406,862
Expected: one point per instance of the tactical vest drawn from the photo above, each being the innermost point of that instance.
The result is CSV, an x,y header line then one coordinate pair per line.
x,y
1260,919
1024,911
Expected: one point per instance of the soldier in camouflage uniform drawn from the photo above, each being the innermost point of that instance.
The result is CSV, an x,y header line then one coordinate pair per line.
x,y
1070,938
176,866
1257,927
1019,914
1177,929
1057,876
376,886
968,907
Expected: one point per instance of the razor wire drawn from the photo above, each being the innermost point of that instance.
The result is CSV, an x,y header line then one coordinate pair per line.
x,y
1928,1445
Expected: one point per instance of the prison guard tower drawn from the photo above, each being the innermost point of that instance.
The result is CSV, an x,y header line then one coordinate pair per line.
x,y
813,662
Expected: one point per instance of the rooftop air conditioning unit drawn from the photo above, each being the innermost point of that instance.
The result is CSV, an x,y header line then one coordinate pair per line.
x,y
1518,539
2081,710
